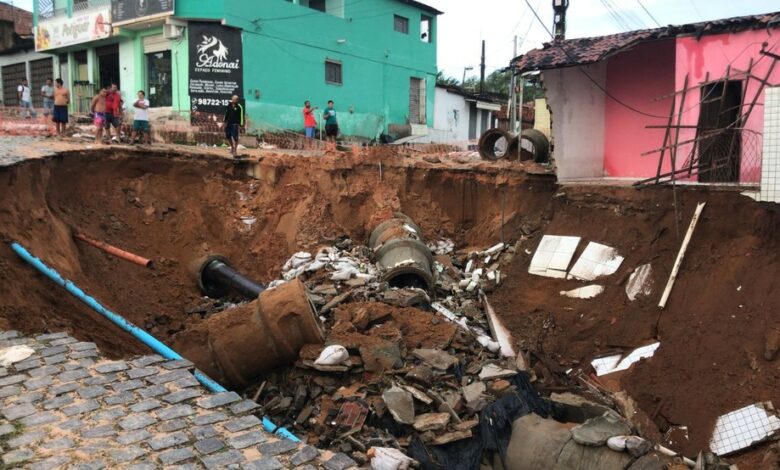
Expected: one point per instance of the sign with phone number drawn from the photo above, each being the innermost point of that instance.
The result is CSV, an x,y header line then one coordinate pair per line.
x,y
210,102
216,66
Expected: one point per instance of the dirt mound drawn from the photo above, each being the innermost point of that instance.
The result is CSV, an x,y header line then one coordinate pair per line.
x,y
712,329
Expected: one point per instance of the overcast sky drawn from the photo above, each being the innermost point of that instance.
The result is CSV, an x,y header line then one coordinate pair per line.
x,y
466,23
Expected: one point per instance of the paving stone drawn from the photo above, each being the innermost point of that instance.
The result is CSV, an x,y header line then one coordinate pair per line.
x,y
243,406
80,408
218,399
127,385
102,379
203,432
142,466
186,466
44,371
248,439
6,429
57,402
186,381
127,454
142,372
177,411
9,334
82,346
27,364
28,397
93,391
239,424
50,336
278,447
182,395
172,425
39,419
137,421
307,467
144,361
170,457
66,340
223,459
120,398
72,423
210,418
35,384
10,391
265,463
64,388
153,391
27,438
111,414
3,372
71,375
56,359
169,440
168,376
63,443
305,455
58,461
13,379
177,364
133,436
209,446
105,430
339,462
83,354
108,367
93,465
51,351
86,363
17,456
145,405
18,411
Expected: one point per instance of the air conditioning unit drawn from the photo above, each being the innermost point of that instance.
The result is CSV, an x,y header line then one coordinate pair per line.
x,y
172,31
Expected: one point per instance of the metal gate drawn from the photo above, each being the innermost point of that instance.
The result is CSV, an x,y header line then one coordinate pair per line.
x,y
12,78
40,70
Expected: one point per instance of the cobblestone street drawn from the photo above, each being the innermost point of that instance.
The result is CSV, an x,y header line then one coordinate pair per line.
x,y
66,406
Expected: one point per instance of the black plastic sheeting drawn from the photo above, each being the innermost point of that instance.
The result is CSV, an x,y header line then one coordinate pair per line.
x,y
492,434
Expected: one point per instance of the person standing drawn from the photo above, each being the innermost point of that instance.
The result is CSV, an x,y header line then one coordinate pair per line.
x,y
113,112
234,120
141,118
25,99
331,123
47,92
309,122
98,108
59,114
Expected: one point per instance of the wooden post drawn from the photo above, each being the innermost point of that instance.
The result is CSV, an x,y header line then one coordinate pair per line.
x,y
681,255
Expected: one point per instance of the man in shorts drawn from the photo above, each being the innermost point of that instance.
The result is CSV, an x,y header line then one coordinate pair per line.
x,y
141,118
98,108
113,112
331,123
47,92
234,120
25,99
59,114
309,121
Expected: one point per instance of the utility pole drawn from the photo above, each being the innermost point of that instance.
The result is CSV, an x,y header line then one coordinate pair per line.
x,y
482,70
559,20
513,93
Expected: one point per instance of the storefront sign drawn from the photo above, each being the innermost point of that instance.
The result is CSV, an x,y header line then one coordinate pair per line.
x,y
82,27
128,11
216,66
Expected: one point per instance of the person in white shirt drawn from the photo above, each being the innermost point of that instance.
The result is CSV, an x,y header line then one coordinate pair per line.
x,y
47,92
141,119
25,99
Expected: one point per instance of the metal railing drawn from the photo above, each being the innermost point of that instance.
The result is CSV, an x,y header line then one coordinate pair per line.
x,y
84,5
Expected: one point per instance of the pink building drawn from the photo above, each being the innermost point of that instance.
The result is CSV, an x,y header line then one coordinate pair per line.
x,y
696,90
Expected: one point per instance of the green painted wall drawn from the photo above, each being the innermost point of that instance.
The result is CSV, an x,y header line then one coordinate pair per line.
x,y
285,48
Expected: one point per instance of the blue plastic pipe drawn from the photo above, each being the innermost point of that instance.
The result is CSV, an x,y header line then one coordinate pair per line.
x,y
156,345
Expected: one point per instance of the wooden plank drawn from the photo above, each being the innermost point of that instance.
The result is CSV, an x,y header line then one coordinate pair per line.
x,y
681,255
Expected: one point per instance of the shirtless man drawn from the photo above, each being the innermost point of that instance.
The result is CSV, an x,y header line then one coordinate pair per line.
x,y
99,110
60,112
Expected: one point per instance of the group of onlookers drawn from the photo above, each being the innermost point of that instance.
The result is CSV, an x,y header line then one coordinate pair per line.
x,y
108,109
55,102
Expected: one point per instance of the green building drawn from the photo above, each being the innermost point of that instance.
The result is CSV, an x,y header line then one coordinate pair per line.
x,y
375,58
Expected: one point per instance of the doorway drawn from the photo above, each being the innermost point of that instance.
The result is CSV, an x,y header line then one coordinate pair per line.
x,y
417,112
719,133
159,73
108,64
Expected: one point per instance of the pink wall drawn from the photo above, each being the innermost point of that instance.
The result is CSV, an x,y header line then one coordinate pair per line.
x,y
713,54
636,78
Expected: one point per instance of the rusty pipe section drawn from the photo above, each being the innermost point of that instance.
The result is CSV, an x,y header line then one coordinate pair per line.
x,y
216,278
401,253
238,345
114,251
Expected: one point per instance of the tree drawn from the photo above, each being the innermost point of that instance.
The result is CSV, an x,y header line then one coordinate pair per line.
x,y
443,80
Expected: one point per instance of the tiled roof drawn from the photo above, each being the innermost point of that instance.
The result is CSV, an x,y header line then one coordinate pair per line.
x,y
422,6
582,51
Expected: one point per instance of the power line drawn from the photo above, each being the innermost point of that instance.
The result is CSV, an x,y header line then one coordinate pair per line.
x,y
648,13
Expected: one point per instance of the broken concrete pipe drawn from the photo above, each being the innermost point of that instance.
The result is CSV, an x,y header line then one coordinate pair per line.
x,y
496,144
216,278
401,253
534,145
238,345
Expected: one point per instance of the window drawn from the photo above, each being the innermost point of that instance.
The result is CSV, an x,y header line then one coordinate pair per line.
x,y
45,8
318,5
159,75
401,24
333,72
426,29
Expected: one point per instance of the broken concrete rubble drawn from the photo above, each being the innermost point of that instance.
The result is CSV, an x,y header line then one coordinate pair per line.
x,y
400,404
596,431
